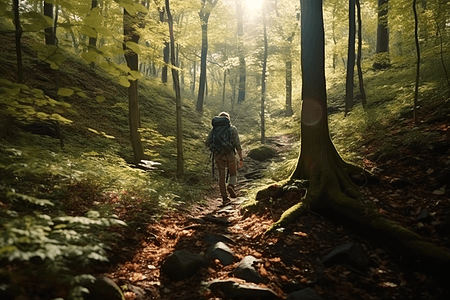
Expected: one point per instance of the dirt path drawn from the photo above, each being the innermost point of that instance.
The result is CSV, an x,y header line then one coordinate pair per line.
x,y
290,260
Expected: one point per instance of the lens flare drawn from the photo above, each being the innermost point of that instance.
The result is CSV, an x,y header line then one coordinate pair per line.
x,y
311,112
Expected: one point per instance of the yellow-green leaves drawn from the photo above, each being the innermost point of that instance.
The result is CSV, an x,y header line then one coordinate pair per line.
x,y
100,99
50,54
102,133
135,75
24,103
132,7
90,56
90,32
133,46
34,21
94,19
123,80
65,92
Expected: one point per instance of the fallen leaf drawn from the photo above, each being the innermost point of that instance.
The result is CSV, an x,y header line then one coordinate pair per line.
x,y
388,284
440,191
300,233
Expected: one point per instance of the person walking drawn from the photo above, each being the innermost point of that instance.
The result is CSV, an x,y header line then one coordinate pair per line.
x,y
223,141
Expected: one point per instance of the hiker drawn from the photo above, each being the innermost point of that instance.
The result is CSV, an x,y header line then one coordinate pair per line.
x,y
223,141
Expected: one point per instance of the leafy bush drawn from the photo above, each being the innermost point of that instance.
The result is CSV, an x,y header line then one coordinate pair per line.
x,y
38,244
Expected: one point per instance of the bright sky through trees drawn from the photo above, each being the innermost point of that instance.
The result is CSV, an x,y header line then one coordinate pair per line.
x,y
253,6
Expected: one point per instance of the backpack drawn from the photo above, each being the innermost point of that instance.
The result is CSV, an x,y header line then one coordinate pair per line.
x,y
221,135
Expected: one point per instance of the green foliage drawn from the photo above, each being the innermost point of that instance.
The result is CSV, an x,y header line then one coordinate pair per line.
x,y
35,239
21,102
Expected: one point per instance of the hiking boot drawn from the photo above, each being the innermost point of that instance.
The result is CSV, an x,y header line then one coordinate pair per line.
x,y
231,191
225,201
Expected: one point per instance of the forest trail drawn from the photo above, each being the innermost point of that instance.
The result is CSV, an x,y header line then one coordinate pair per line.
x,y
192,230
293,259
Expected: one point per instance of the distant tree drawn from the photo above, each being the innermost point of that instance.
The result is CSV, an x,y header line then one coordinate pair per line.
x,y
362,92
241,52
329,184
416,38
288,79
176,84
49,31
382,50
286,27
93,40
18,35
350,57
166,49
263,77
204,13
131,35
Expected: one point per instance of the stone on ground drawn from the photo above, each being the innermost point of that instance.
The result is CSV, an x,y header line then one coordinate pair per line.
x,y
262,153
351,253
183,264
245,270
233,290
305,294
222,252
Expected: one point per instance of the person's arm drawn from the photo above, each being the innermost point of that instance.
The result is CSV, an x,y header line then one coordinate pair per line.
x,y
241,159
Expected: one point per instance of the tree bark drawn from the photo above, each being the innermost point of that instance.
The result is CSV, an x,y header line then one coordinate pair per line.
x,y
133,93
416,39
223,87
202,79
350,58
194,76
164,74
18,35
204,13
329,186
176,84
263,80
382,50
289,112
362,92
241,52
49,33
93,40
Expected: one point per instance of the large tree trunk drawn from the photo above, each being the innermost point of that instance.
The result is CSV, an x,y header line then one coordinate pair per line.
x,y
133,96
362,92
350,57
176,84
329,184
382,50
241,52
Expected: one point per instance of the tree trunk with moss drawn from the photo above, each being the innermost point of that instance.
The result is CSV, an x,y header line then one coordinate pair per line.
x,y
330,186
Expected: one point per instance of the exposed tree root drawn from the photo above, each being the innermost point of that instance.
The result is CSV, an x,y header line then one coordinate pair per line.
x,y
331,188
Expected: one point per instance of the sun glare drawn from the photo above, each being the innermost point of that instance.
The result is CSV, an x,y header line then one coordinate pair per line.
x,y
253,5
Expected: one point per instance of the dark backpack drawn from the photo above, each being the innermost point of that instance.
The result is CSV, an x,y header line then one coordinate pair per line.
x,y
221,135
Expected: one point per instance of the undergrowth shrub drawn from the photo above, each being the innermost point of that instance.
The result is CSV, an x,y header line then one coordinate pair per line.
x,y
54,248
